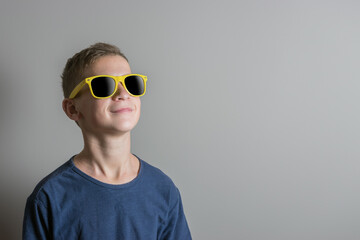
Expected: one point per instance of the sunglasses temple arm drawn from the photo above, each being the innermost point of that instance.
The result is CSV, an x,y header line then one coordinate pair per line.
x,y
77,89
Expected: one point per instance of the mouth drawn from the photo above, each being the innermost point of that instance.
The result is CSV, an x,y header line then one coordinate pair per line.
x,y
122,110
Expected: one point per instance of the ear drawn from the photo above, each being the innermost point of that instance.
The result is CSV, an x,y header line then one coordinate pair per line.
x,y
70,109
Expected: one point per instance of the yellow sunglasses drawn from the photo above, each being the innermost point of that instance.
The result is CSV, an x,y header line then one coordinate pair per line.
x,y
105,86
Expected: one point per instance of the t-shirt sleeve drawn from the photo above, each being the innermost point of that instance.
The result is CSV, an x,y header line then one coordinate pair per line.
x,y
36,223
176,225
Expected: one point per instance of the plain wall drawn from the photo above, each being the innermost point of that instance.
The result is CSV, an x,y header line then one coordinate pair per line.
x,y
252,107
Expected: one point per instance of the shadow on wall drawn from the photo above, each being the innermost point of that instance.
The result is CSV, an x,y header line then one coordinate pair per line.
x,y
13,195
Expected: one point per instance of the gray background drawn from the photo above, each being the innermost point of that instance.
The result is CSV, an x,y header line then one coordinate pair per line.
x,y
252,107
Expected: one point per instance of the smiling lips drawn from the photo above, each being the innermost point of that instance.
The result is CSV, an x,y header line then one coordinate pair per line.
x,y
122,110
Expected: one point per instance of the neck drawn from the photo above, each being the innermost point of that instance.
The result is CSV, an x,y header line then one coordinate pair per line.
x,y
108,158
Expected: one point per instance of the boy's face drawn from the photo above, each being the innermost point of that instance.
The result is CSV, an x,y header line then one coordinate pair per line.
x,y
115,115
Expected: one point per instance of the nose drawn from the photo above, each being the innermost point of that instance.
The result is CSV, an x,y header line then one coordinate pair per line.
x,y
121,93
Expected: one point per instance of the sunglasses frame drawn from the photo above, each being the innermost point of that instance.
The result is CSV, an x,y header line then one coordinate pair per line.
x,y
117,79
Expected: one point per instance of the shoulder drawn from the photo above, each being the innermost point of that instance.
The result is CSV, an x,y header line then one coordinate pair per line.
x,y
163,189
156,179
155,174
52,184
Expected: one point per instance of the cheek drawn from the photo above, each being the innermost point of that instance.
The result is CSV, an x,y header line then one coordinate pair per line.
x,y
139,103
93,110
138,106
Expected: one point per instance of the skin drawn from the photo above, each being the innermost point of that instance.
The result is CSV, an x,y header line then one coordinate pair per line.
x,y
106,125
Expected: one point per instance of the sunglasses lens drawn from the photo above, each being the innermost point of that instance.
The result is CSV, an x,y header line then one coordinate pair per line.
x,y
103,86
135,85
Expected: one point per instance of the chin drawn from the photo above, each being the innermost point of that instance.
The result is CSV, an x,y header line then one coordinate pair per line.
x,y
125,127
120,125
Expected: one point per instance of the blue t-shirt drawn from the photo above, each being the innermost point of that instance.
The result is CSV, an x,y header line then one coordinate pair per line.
x,y
68,204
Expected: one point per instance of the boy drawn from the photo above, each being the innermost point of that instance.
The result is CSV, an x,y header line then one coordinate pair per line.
x,y
104,192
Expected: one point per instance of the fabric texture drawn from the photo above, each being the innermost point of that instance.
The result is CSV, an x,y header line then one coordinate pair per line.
x,y
68,204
